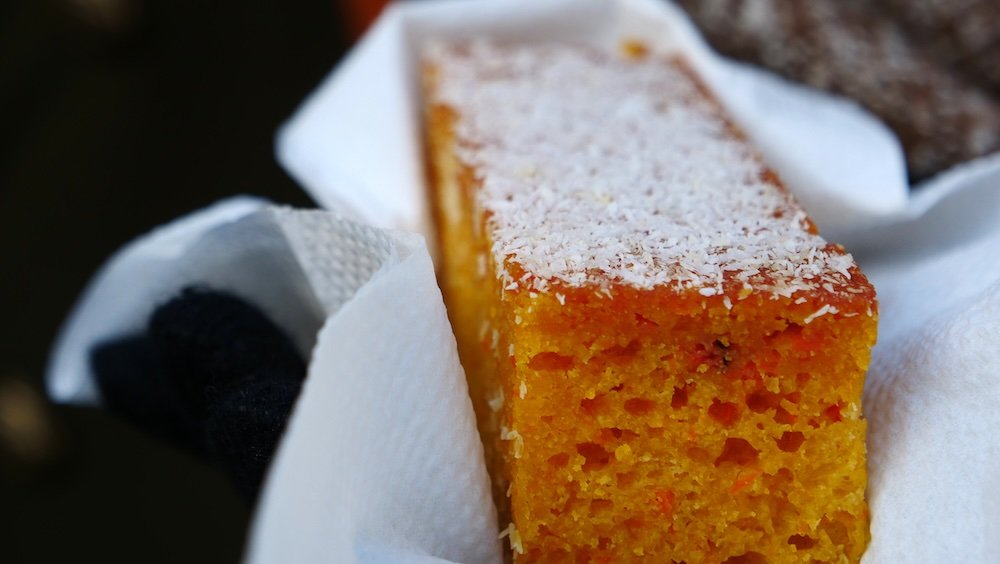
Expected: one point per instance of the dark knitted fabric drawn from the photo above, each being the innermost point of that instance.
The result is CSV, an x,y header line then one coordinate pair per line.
x,y
244,428
214,342
134,384
212,374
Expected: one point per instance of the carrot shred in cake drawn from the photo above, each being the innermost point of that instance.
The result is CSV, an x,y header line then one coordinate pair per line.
x,y
665,358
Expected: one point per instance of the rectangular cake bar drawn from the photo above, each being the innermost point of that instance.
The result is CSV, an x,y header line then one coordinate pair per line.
x,y
665,358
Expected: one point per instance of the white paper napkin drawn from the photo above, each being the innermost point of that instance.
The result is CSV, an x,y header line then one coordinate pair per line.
x,y
397,471
381,461
223,247
934,386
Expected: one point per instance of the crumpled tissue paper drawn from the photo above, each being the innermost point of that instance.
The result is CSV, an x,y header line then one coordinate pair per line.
x,y
380,461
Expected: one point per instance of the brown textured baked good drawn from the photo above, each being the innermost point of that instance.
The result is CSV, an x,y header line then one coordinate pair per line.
x,y
848,47
665,358
960,34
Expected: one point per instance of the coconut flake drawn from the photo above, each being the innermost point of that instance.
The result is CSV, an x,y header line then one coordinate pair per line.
x,y
820,312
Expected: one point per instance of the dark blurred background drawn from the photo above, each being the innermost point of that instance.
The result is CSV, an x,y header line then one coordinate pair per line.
x,y
117,116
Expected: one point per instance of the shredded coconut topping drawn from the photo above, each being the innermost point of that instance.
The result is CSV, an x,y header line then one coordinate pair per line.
x,y
515,538
600,170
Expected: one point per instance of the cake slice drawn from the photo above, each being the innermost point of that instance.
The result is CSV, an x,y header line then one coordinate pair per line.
x,y
665,358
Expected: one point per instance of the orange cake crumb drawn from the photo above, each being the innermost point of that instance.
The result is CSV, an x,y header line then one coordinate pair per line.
x,y
665,358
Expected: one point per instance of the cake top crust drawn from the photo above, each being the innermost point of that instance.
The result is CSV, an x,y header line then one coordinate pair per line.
x,y
598,169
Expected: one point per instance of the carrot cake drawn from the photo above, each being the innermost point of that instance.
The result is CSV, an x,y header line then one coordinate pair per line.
x,y
665,358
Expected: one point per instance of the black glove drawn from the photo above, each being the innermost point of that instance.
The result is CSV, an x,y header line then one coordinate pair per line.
x,y
212,374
